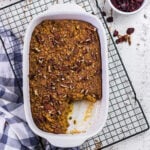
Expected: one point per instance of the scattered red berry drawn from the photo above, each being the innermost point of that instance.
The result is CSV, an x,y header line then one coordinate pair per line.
x,y
116,33
130,30
110,19
123,38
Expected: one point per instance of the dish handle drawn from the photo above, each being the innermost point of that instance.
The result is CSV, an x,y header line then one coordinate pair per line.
x,y
71,7
66,143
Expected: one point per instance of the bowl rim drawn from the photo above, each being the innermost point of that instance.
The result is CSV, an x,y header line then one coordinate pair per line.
x,y
127,13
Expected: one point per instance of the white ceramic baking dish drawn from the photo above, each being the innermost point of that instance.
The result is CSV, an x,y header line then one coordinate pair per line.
x,y
90,117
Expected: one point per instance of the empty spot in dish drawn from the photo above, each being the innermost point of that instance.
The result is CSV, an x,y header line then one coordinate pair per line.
x,y
88,112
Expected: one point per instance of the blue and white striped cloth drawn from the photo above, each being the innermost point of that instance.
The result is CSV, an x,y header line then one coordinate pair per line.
x,y
14,131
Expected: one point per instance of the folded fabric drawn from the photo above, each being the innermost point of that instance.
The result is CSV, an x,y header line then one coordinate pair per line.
x,y
15,133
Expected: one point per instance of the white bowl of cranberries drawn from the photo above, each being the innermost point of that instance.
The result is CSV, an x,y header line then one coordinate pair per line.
x,y
127,7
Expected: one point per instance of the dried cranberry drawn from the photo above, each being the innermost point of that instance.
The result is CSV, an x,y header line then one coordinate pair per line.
x,y
127,5
130,30
116,33
110,19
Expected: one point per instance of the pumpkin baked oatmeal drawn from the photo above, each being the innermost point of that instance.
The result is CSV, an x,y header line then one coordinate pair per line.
x,y
65,66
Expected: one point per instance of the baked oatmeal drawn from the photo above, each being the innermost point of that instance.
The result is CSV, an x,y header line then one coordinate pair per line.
x,y
65,66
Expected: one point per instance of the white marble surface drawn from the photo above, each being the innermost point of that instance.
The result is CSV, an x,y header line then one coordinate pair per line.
x,y
137,61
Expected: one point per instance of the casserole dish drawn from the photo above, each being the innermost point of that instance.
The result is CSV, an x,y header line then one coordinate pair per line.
x,y
99,110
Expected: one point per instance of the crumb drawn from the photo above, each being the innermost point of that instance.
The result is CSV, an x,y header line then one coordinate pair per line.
x,y
70,117
145,16
74,122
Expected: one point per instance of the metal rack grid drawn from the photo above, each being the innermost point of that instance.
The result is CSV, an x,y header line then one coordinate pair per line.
x,y
126,117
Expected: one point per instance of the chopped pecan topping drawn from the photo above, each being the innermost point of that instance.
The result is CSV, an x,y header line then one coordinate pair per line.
x,y
64,86
36,92
36,50
39,39
64,65
49,68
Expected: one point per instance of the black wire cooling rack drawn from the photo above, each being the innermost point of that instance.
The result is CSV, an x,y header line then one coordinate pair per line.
x,y
126,117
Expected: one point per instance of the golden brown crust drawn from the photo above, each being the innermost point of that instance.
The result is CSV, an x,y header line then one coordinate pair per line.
x,y
65,65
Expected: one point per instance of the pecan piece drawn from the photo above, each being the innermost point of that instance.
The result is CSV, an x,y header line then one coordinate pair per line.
x,y
36,92
39,39
36,50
